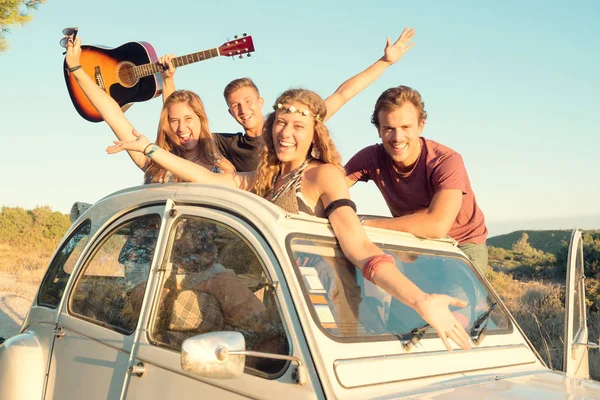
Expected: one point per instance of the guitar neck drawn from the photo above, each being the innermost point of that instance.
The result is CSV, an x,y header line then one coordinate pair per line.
x,y
154,68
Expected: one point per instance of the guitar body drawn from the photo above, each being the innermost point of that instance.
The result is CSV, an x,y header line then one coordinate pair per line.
x,y
112,70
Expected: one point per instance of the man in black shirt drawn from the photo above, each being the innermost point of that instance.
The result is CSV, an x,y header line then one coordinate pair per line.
x,y
245,104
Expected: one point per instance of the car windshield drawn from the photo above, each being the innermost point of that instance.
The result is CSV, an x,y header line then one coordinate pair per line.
x,y
349,307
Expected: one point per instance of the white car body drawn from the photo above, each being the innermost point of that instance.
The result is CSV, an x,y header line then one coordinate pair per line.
x,y
72,345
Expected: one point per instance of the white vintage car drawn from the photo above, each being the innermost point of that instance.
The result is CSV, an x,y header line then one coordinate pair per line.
x,y
195,291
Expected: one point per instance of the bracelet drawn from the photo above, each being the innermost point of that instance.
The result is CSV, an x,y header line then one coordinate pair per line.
x,y
362,220
373,265
152,150
73,69
146,148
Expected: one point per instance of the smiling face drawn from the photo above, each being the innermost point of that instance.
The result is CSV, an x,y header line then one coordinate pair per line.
x,y
184,123
245,105
399,130
293,134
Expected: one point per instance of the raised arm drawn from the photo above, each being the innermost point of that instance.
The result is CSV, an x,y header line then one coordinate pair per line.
x,y
356,84
108,108
168,76
184,169
357,247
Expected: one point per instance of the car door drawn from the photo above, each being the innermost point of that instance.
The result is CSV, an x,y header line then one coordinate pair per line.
x,y
576,332
218,274
98,318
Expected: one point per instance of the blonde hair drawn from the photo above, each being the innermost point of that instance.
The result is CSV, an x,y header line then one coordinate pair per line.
x,y
269,165
394,98
237,84
168,140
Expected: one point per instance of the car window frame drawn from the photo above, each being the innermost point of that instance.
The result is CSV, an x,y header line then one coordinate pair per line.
x,y
264,253
388,247
57,254
97,242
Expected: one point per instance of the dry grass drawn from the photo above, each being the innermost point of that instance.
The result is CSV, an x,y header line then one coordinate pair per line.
x,y
539,309
28,266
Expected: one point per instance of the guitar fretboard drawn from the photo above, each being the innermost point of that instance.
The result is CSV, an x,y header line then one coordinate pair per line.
x,y
154,68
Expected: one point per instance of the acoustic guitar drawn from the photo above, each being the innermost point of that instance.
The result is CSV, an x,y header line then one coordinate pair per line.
x,y
130,73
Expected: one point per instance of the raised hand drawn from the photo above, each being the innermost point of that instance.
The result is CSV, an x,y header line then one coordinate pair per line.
x,y
394,52
169,68
139,144
434,309
73,52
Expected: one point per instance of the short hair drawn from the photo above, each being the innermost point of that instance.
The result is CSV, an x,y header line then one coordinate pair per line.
x,y
237,84
396,97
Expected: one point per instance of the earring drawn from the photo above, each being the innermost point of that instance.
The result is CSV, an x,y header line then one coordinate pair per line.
x,y
314,152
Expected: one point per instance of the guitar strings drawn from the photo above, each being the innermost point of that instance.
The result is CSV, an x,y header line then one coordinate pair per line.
x,y
132,74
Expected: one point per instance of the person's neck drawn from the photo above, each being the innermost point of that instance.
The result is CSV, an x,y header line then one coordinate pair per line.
x,y
256,131
287,167
192,155
408,167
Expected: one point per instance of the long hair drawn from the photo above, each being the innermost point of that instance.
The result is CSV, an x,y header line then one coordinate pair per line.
x,y
269,165
168,140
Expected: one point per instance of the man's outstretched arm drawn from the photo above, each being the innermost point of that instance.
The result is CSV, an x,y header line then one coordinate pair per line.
x,y
356,84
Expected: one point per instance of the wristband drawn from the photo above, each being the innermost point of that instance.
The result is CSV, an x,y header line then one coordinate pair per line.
x,y
146,148
73,69
152,150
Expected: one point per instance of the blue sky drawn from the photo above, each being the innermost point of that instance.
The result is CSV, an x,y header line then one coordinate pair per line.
x,y
513,86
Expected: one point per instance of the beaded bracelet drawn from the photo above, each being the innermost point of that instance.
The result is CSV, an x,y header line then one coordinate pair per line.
x,y
373,265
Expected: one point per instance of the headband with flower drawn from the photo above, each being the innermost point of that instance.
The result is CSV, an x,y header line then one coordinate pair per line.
x,y
292,109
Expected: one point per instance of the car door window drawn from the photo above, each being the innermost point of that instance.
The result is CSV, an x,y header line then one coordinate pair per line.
x,y
59,271
110,290
216,282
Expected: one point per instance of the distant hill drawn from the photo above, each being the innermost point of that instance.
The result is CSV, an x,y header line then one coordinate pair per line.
x,y
547,241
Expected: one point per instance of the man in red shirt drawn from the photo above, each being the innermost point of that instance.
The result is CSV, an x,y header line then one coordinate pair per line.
x,y
424,183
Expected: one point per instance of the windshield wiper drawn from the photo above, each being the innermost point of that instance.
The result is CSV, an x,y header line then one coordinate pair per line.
x,y
415,337
477,327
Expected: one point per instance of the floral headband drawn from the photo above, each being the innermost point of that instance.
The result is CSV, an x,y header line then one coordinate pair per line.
x,y
292,109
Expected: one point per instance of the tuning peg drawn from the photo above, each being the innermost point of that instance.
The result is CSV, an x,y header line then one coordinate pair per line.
x,y
249,55
245,34
241,56
236,36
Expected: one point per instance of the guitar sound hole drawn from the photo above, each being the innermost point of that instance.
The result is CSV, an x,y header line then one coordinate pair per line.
x,y
126,73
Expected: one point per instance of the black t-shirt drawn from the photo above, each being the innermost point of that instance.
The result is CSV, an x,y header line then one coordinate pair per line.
x,y
242,150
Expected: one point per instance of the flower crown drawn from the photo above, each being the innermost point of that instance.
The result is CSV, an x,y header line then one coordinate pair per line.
x,y
292,109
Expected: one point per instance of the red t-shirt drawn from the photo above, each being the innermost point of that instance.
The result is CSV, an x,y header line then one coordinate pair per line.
x,y
438,168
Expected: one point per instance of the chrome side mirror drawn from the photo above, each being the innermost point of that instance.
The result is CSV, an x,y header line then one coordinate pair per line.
x,y
199,355
222,355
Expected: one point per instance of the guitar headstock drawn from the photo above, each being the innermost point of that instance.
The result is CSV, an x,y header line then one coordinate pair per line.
x,y
237,47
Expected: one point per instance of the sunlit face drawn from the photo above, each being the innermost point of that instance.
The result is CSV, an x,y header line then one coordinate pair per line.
x,y
399,131
293,134
245,106
184,122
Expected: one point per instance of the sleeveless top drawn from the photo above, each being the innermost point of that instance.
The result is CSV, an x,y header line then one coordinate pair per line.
x,y
289,195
